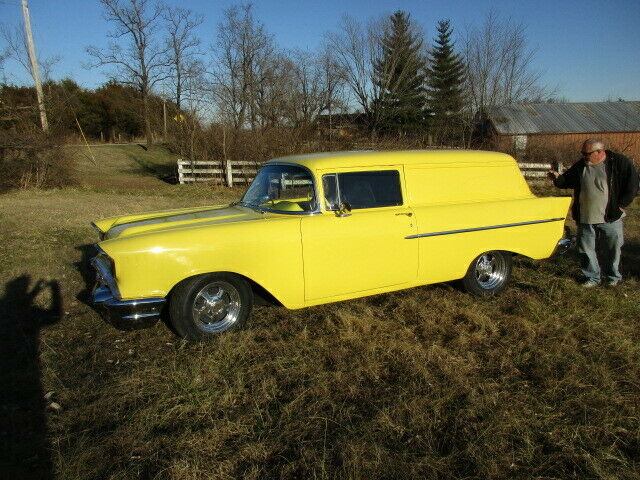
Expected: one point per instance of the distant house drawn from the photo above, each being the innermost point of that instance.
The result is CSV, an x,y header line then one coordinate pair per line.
x,y
521,128
340,125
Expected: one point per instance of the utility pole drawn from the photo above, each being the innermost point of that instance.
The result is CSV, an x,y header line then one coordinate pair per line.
x,y
35,70
164,116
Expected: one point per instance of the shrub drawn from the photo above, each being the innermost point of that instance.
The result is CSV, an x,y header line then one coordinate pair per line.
x,y
32,159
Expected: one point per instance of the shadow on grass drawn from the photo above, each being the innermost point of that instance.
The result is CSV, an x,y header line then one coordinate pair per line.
x,y
167,172
25,451
630,262
568,264
87,252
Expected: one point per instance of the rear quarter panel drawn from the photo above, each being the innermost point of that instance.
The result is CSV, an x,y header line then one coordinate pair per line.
x,y
465,208
449,250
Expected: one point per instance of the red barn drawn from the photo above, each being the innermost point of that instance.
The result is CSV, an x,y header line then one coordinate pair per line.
x,y
525,127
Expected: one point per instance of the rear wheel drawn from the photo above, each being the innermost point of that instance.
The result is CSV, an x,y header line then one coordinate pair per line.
x,y
488,274
207,305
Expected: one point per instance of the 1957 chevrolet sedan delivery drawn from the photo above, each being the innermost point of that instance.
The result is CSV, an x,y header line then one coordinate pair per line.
x,y
321,228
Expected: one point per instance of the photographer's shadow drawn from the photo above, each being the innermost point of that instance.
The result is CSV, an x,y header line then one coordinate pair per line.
x,y
630,264
24,443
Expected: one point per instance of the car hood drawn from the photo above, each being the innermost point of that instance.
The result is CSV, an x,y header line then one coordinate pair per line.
x,y
116,227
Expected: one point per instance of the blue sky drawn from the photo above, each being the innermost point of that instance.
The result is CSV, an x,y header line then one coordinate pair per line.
x,y
588,50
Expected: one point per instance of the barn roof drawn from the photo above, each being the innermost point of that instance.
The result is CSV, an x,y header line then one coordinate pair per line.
x,y
593,117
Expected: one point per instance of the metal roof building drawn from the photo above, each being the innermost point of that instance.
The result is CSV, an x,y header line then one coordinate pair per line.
x,y
518,127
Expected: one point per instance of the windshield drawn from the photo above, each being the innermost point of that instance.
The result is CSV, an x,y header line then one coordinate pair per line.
x,y
284,188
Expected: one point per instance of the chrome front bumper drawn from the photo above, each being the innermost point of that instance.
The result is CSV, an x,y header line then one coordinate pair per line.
x,y
127,314
122,314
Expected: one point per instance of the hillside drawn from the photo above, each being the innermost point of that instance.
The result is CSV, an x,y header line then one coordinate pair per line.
x,y
127,167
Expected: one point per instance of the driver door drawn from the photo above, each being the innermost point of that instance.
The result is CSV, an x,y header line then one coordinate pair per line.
x,y
365,248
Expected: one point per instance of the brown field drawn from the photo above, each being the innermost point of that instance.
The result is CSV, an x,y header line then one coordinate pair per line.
x,y
541,382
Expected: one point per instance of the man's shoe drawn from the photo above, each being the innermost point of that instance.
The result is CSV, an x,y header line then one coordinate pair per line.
x,y
590,283
612,283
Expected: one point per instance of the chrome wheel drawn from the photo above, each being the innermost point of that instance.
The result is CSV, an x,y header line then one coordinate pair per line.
x,y
216,307
491,270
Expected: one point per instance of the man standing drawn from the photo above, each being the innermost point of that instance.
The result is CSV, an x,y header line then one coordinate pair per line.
x,y
604,183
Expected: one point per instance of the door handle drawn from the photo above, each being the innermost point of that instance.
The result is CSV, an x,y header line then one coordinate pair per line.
x,y
408,214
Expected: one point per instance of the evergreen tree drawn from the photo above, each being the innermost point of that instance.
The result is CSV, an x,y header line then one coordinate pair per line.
x,y
445,79
399,77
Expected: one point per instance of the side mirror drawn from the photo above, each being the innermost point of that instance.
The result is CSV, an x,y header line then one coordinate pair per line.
x,y
344,210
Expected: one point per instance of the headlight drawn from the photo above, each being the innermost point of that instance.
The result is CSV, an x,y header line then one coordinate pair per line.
x,y
105,271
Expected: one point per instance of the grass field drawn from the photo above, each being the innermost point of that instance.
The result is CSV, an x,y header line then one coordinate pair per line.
x,y
541,382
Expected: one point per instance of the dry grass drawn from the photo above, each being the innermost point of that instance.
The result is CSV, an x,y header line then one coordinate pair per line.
x,y
542,382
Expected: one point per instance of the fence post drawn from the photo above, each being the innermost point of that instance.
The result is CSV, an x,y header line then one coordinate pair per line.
x,y
180,172
229,174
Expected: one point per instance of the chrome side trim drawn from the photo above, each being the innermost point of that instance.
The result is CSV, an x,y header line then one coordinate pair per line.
x,y
477,229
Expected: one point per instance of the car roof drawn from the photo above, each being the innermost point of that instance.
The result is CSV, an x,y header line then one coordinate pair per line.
x,y
365,158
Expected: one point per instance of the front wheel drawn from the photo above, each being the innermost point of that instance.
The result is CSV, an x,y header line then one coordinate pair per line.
x,y
488,274
204,306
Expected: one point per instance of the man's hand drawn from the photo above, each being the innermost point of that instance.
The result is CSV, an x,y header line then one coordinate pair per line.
x,y
552,174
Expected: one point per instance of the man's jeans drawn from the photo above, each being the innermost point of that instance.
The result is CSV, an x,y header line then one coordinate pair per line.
x,y
611,239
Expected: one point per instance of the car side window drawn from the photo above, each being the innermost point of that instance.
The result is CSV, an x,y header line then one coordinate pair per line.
x,y
370,189
330,188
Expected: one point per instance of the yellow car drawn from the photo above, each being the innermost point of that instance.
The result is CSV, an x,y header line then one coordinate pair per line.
x,y
321,228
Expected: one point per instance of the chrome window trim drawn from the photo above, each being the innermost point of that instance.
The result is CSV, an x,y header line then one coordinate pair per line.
x,y
337,175
337,191
316,211
478,229
279,212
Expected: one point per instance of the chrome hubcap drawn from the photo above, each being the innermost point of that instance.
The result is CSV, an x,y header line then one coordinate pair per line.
x,y
216,307
491,270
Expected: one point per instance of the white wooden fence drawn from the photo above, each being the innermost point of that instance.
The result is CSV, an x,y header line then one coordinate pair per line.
x,y
228,173
537,172
242,172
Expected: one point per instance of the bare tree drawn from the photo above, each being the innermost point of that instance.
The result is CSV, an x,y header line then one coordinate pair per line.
x,y
500,64
243,78
16,50
334,81
354,48
182,49
316,80
4,55
139,57
273,89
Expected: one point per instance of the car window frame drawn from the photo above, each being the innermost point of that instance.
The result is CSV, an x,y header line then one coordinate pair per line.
x,y
316,211
373,169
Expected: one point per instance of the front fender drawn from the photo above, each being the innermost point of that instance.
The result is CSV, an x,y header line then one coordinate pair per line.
x,y
268,252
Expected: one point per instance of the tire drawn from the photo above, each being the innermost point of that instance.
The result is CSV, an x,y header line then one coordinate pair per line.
x,y
488,274
202,307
